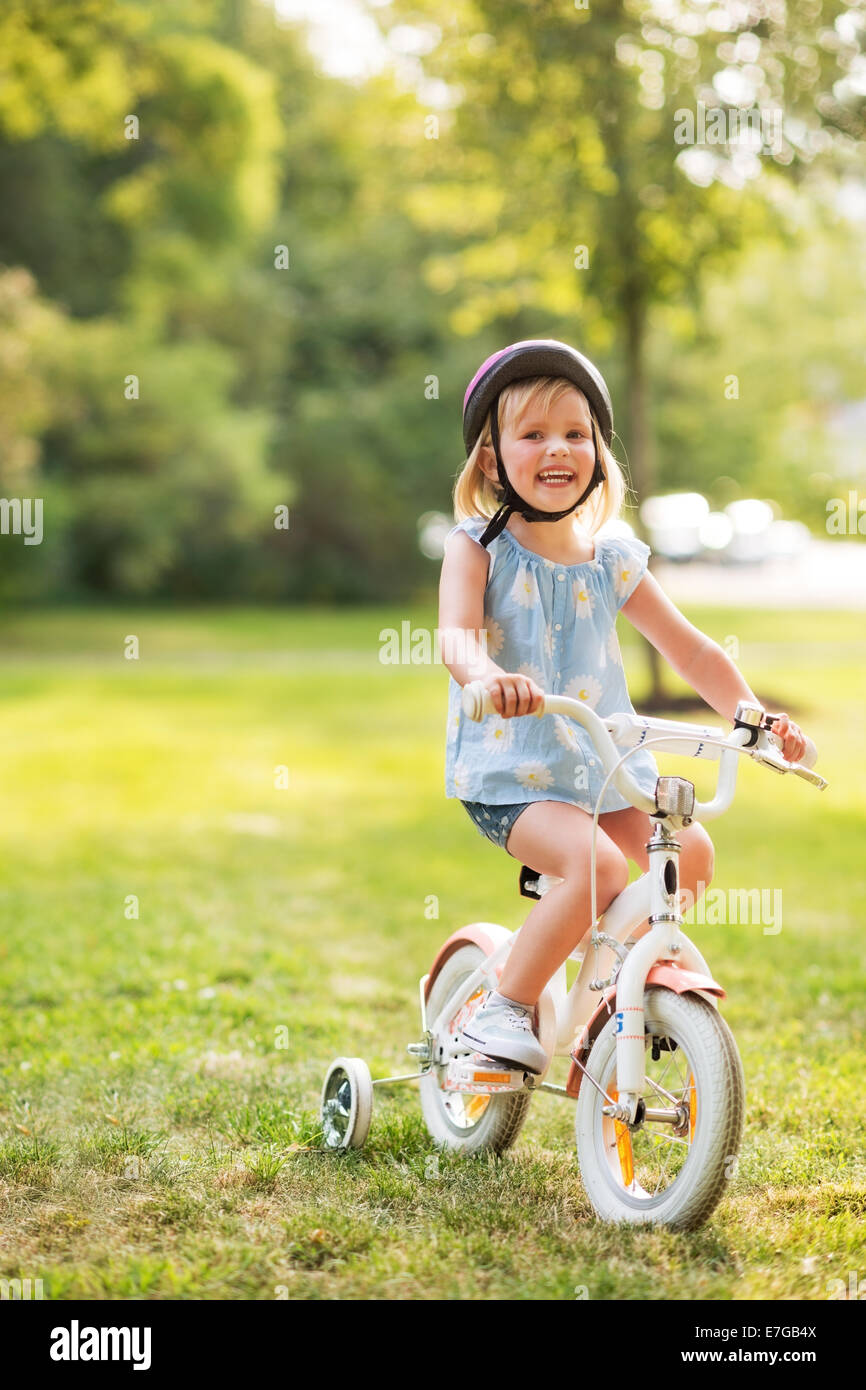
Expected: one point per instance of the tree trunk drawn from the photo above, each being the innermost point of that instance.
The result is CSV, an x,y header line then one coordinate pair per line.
x,y
640,454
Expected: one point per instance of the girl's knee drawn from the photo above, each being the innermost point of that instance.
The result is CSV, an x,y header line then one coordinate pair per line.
x,y
700,858
616,870
611,872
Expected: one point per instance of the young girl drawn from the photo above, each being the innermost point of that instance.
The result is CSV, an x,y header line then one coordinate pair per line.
x,y
528,601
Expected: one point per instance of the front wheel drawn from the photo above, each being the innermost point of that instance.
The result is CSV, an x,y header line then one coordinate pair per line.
x,y
671,1169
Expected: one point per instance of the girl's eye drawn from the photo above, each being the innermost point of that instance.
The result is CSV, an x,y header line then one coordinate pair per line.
x,y
530,434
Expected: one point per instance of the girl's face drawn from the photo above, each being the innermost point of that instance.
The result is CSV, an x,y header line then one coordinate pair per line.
x,y
549,458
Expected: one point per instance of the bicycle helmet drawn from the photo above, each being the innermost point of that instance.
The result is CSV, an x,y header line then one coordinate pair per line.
x,y
517,362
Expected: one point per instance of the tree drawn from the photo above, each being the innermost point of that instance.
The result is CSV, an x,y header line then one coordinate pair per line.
x,y
154,152
562,137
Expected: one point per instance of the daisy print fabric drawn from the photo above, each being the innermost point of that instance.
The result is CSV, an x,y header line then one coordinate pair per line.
x,y
557,624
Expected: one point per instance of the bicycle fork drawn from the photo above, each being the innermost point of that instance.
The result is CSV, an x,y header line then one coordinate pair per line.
x,y
664,939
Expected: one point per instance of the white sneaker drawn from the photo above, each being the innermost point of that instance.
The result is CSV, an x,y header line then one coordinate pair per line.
x,y
504,1032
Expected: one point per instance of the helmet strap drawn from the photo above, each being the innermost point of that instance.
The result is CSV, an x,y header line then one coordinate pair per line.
x,y
513,502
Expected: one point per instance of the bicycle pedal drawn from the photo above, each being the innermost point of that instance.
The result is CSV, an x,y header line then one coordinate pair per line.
x,y
482,1076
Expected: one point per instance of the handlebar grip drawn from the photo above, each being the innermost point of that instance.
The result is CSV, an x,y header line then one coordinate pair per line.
x,y
476,701
809,758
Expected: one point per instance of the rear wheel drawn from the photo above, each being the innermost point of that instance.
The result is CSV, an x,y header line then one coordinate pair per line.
x,y
670,1169
455,1120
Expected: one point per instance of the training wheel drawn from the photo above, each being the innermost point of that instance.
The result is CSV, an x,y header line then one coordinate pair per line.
x,y
347,1103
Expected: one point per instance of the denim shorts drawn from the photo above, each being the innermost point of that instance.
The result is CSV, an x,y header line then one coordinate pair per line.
x,y
495,821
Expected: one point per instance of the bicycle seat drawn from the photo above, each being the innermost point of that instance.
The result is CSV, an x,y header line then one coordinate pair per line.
x,y
529,882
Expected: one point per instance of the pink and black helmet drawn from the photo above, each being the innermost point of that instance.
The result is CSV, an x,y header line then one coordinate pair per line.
x,y
518,362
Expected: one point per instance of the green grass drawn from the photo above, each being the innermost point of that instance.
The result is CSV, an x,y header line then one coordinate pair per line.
x,y
186,946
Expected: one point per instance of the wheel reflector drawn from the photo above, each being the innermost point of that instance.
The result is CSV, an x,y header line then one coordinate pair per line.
x,y
623,1145
474,1105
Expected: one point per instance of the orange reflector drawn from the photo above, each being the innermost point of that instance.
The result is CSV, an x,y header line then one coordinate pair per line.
x,y
493,1076
623,1145
693,1106
474,1106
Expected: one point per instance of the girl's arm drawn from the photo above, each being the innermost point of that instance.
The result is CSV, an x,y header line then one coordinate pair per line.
x,y
462,636
699,660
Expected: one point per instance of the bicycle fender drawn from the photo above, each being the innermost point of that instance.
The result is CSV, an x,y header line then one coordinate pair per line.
x,y
486,935
664,973
681,981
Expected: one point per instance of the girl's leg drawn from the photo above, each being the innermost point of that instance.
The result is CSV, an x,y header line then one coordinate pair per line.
x,y
630,829
555,838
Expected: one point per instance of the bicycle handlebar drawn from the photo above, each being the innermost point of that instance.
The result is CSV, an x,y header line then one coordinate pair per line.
x,y
690,740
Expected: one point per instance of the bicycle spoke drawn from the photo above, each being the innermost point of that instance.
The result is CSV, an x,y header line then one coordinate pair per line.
x,y
683,1080
664,1073
659,1135
666,1095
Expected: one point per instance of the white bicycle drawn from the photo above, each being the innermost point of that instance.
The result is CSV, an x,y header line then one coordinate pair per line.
x,y
654,1070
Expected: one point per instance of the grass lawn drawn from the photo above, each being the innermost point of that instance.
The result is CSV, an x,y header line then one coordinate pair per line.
x,y
187,945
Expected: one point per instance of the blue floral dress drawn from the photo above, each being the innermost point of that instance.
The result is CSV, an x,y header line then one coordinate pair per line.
x,y
557,624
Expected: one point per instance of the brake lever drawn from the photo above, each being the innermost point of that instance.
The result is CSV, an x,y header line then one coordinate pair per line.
x,y
772,759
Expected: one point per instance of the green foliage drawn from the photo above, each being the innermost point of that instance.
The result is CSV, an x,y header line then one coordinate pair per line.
x,y
734,418
62,67
163,491
159,158
28,327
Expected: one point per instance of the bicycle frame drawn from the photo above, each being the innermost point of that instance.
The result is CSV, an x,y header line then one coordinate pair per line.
x,y
566,1015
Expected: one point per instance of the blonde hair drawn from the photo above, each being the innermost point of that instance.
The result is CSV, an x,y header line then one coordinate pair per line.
x,y
476,495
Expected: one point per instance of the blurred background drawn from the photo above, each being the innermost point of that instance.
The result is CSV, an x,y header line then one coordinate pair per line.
x,y
251,253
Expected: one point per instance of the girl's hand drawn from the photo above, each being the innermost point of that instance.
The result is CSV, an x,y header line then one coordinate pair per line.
x,y
793,743
514,694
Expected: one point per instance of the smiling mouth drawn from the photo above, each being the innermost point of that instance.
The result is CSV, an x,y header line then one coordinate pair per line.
x,y
556,477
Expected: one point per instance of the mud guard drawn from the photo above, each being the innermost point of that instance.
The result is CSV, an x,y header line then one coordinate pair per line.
x,y
485,935
666,973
